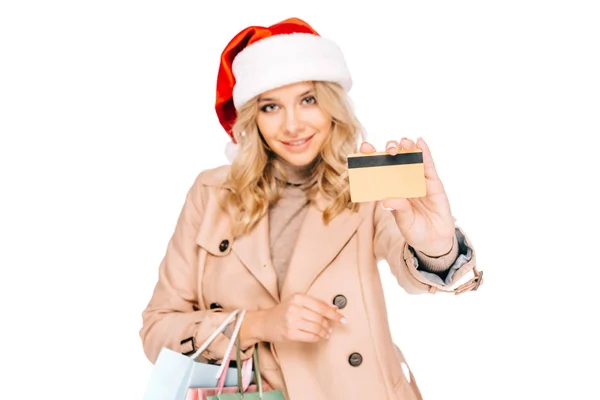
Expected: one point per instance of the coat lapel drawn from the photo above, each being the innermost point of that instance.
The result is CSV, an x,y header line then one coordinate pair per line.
x,y
254,252
316,246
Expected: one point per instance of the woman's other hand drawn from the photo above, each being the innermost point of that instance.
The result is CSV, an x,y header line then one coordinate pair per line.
x,y
300,318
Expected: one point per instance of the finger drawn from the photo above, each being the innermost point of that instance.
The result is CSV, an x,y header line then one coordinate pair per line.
x,y
428,165
407,144
400,205
391,147
367,148
323,309
313,328
312,316
302,336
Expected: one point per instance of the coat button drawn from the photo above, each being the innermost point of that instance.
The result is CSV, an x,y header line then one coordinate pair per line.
x,y
224,245
355,359
340,301
215,305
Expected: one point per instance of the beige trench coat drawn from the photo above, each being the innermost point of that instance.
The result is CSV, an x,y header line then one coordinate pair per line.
x,y
206,267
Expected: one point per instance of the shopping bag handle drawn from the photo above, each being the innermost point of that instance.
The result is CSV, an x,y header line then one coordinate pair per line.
x,y
257,371
222,373
255,367
212,337
246,366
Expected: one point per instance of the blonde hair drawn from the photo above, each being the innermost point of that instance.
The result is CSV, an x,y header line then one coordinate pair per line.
x,y
251,181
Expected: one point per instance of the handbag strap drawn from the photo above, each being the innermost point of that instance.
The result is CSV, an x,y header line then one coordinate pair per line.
x,y
213,336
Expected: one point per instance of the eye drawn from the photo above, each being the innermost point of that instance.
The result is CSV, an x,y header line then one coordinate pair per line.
x,y
268,108
309,100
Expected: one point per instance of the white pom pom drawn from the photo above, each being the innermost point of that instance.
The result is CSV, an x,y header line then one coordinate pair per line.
x,y
231,150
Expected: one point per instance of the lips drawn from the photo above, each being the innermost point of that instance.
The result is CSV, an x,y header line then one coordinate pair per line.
x,y
298,142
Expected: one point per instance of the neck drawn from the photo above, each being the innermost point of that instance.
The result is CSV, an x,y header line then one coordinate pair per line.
x,y
296,175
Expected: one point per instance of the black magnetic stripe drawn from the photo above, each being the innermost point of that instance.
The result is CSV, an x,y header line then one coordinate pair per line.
x,y
385,160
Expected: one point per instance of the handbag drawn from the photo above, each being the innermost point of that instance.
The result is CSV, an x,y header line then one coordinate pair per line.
x,y
174,374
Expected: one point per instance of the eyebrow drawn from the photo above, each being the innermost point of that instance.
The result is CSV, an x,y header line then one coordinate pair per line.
x,y
263,99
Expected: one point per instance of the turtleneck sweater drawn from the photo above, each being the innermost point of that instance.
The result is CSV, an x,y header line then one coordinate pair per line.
x,y
286,216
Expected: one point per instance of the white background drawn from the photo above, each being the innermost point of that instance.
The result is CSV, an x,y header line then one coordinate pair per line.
x,y
106,118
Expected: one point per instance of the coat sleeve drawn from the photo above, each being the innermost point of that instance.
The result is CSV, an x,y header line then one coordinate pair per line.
x,y
175,316
416,272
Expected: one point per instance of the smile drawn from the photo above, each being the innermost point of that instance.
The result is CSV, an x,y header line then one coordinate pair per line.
x,y
298,143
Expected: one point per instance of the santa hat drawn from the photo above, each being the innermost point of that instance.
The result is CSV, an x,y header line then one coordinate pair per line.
x,y
259,59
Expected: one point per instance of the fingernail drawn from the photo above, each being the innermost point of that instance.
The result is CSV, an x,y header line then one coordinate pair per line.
x,y
386,208
344,321
330,330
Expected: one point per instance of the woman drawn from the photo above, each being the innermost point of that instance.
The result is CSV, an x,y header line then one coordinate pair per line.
x,y
276,234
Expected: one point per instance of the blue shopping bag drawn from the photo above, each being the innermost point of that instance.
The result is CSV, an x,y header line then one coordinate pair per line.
x,y
174,373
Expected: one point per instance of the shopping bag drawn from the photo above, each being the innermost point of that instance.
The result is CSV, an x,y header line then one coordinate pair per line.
x,y
258,391
213,393
174,374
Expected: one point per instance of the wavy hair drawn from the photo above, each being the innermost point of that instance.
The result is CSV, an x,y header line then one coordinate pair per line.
x,y
252,184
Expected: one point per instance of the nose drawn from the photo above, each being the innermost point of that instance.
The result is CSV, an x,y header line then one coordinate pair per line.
x,y
293,122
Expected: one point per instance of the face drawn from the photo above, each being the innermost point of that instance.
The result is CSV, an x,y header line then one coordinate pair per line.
x,y
292,123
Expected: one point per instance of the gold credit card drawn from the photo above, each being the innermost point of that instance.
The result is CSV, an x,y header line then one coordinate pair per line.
x,y
380,176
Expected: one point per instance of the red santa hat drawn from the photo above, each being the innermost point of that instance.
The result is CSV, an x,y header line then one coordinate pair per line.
x,y
259,59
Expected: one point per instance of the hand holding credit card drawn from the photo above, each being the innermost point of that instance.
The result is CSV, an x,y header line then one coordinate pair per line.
x,y
404,180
